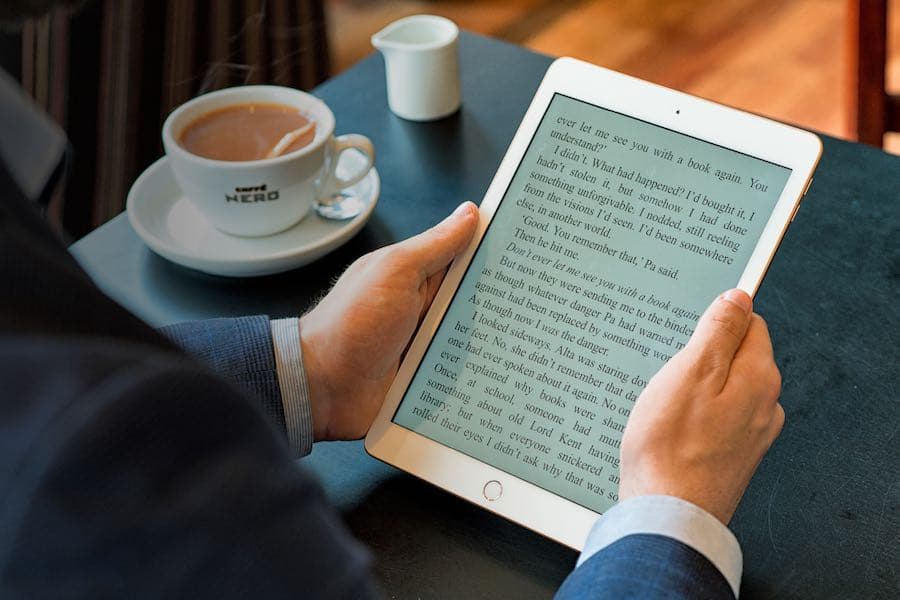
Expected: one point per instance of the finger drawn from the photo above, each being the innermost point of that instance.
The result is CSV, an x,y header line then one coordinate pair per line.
x,y
434,249
720,332
757,341
754,362
432,285
429,290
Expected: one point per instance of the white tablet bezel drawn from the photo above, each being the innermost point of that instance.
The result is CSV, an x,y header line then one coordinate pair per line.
x,y
520,501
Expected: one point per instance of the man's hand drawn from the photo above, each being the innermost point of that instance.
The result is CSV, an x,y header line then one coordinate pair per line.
x,y
352,341
709,415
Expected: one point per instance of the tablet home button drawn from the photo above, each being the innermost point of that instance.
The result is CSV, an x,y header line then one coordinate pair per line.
x,y
493,489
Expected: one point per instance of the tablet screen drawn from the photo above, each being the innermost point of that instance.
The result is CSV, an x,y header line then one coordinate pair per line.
x,y
612,238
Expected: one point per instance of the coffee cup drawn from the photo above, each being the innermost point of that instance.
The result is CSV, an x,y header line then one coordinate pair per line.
x,y
268,195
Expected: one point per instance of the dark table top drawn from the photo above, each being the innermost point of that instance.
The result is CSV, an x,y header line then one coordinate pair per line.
x,y
821,518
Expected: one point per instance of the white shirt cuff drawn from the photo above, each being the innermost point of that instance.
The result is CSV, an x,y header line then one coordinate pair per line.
x,y
293,384
675,518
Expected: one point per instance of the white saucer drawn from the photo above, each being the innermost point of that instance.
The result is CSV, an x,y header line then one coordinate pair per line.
x,y
171,226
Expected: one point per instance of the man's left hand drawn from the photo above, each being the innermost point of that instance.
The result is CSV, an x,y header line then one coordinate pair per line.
x,y
353,340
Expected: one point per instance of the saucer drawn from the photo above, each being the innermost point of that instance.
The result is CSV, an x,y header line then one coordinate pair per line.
x,y
170,225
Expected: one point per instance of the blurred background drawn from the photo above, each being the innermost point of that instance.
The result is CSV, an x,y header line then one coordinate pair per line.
x,y
111,72
786,59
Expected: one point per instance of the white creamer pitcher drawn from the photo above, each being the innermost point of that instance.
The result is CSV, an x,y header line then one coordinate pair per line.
x,y
422,66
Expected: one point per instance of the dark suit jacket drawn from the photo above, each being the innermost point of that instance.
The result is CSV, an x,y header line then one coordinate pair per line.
x,y
128,469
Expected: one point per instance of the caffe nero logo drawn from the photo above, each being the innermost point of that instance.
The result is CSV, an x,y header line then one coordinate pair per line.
x,y
259,193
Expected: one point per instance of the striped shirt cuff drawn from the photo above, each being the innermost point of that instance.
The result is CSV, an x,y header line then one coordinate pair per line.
x,y
293,384
675,518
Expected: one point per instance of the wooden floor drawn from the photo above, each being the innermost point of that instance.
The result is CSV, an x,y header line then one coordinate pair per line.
x,y
781,58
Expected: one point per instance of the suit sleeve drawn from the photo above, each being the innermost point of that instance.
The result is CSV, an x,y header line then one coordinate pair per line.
x,y
675,518
646,566
239,350
263,357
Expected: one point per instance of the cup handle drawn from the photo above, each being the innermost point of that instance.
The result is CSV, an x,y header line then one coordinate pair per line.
x,y
340,144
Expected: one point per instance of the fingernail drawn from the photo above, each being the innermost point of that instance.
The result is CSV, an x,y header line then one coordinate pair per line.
x,y
739,298
461,209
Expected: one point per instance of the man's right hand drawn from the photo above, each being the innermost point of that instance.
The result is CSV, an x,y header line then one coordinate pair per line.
x,y
705,420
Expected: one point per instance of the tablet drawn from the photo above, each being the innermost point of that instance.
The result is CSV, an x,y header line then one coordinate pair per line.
x,y
620,211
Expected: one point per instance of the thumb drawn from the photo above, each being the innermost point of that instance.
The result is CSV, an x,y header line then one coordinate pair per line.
x,y
721,329
433,249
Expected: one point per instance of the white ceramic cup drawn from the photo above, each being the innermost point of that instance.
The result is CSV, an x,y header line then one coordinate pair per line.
x,y
421,60
261,197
